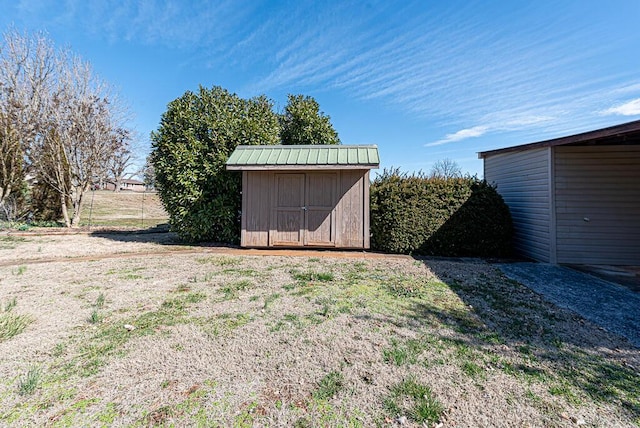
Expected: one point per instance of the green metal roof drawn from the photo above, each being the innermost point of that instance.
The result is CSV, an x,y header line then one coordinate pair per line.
x,y
303,157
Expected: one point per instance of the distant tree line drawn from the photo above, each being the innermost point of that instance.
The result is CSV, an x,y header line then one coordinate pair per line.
x,y
61,129
196,136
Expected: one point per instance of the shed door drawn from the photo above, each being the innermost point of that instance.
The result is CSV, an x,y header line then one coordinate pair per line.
x,y
287,220
320,219
304,209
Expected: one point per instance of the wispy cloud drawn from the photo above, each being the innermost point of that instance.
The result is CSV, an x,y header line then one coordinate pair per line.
x,y
169,23
513,71
630,108
463,134
519,77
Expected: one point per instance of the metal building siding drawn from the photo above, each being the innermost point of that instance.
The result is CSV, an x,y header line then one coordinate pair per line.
x,y
523,180
598,204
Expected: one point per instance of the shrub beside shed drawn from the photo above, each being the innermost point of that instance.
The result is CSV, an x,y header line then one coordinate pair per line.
x,y
574,199
305,196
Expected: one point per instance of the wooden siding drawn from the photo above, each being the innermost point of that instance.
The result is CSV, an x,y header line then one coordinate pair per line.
x,y
523,180
598,204
255,218
312,208
350,210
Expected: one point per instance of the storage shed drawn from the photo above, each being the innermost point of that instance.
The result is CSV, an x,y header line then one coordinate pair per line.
x,y
305,196
574,199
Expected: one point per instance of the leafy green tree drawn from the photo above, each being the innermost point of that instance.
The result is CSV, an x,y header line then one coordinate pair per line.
x,y
303,123
196,136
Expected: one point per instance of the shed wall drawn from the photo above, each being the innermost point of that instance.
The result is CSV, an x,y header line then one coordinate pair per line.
x,y
256,203
523,180
598,204
351,224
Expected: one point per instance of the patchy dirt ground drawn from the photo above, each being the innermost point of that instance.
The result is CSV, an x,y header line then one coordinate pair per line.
x,y
176,335
32,246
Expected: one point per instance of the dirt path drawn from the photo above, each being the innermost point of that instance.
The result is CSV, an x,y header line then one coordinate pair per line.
x,y
90,246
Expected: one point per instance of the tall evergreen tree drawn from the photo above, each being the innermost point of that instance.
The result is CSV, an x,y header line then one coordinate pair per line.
x,y
197,134
303,123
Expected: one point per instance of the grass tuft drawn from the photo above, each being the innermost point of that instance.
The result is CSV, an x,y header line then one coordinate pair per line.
x,y
415,401
311,276
10,305
329,386
100,301
28,383
231,290
219,260
270,299
401,353
327,304
403,286
95,317
11,325
19,271
473,370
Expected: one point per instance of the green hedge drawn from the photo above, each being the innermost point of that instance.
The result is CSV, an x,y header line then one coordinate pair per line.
x,y
439,216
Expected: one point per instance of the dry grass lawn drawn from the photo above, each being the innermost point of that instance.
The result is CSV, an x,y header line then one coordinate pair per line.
x,y
123,209
195,338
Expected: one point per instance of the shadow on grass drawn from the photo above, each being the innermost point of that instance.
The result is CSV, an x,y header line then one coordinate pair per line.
x,y
159,234
570,355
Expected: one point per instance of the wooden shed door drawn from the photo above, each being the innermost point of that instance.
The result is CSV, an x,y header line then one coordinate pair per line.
x,y
320,219
304,210
287,220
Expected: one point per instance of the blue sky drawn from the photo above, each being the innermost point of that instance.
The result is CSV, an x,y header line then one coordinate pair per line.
x,y
424,80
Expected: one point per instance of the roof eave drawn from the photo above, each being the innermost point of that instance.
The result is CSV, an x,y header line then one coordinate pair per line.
x,y
297,167
612,131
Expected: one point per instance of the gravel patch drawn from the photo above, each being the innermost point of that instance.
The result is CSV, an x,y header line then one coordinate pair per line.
x,y
611,306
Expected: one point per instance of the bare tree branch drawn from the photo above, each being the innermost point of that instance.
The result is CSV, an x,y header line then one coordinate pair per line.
x,y
57,118
26,69
446,168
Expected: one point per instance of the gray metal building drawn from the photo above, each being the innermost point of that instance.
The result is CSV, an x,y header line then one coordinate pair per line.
x,y
574,199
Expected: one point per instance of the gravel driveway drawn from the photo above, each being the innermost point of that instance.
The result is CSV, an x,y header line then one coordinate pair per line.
x,y
611,306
